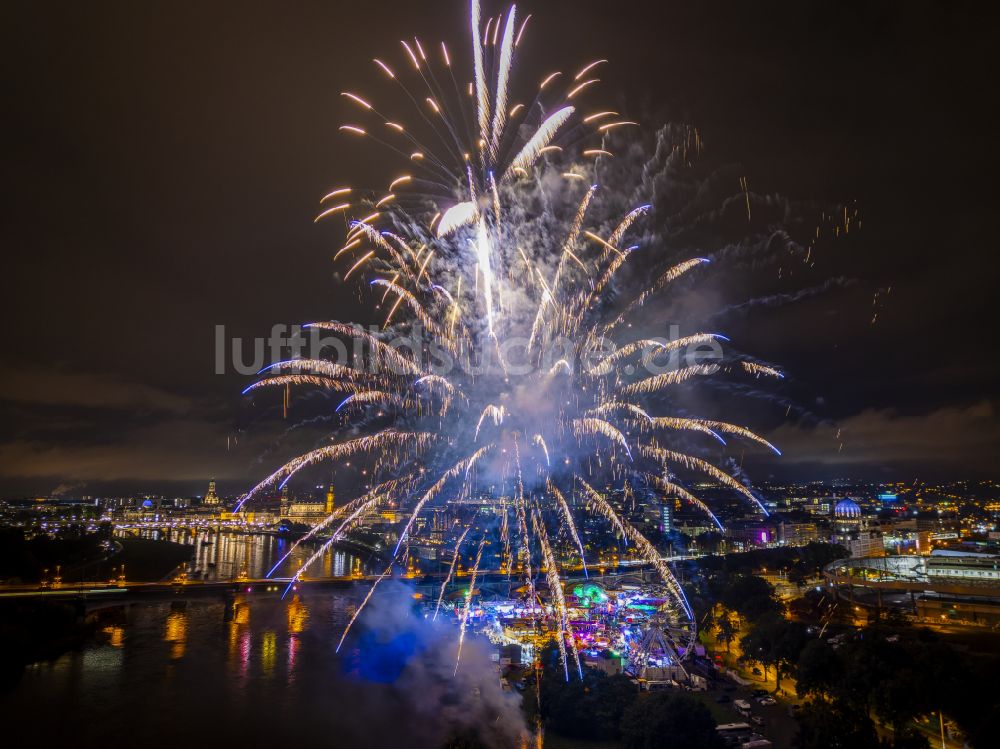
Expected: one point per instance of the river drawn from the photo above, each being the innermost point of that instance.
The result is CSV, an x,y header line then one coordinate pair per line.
x,y
224,556
260,671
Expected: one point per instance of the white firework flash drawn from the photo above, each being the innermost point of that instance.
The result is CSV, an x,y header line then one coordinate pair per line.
x,y
497,252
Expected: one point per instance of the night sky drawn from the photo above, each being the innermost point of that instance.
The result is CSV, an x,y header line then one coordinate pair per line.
x,y
164,162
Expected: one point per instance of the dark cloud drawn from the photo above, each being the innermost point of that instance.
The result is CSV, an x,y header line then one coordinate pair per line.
x,y
107,391
177,449
945,438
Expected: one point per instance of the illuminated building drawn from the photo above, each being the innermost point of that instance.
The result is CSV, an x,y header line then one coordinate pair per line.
x,y
747,533
212,498
847,516
796,533
308,511
610,663
904,535
851,530
865,544
957,586
666,516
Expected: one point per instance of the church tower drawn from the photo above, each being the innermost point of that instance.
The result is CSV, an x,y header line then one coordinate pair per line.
x,y
212,498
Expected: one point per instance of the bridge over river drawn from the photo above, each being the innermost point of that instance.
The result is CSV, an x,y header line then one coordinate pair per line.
x,y
96,595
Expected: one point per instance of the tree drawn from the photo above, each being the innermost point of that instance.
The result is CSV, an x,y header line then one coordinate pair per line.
x,y
727,630
797,576
868,663
589,708
751,596
793,638
924,679
819,669
834,725
669,720
774,642
899,679
964,698
899,699
758,607
815,556
707,618
986,728
616,695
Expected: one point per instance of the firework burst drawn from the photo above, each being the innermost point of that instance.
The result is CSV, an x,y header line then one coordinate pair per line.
x,y
494,255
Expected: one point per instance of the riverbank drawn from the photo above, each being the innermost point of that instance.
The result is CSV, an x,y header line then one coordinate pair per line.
x,y
35,630
147,561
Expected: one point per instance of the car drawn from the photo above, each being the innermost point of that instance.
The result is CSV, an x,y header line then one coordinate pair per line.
x,y
767,701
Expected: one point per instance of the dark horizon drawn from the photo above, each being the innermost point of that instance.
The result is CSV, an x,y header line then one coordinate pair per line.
x,y
168,161
232,488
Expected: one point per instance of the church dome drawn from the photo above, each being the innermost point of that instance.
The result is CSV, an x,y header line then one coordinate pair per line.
x,y
847,508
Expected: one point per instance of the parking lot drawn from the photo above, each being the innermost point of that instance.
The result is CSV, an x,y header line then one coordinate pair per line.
x,y
773,721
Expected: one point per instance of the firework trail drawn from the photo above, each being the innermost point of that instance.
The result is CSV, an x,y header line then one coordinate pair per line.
x,y
558,597
505,537
570,524
363,503
354,518
371,592
451,572
503,234
468,603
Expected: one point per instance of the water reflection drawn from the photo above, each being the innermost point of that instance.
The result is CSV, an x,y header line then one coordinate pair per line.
x,y
294,643
115,635
228,556
241,612
268,651
175,633
251,670
298,615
